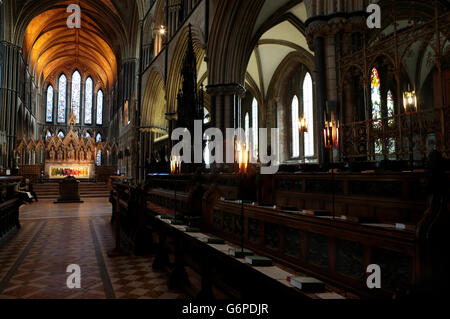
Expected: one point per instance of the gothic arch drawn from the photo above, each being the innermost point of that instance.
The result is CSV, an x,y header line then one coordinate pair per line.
x,y
154,104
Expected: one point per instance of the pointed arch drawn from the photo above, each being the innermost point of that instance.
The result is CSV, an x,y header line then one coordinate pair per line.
x,y
99,115
295,127
375,89
62,98
76,95
49,111
308,113
89,87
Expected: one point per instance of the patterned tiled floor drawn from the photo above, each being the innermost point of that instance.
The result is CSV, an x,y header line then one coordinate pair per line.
x,y
33,262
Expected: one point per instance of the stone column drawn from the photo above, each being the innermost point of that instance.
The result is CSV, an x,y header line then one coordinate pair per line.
x,y
10,82
315,32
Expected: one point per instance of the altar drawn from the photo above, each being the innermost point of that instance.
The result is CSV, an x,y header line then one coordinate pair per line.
x,y
74,154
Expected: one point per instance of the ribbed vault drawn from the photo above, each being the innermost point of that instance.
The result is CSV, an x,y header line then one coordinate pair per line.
x,y
97,47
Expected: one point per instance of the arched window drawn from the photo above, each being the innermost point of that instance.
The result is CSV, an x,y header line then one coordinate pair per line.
x,y
308,103
88,135
376,98
49,115
98,160
390,108
88,102
206,116
61,134
247,129
62,91
98,138
391,145
76,96
48,135
100,107
255,127
295,128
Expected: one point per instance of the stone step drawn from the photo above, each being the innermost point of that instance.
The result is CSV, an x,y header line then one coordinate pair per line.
x,y
87,190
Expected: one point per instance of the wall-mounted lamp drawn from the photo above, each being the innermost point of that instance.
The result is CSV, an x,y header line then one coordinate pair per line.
x,y
303,127
410,101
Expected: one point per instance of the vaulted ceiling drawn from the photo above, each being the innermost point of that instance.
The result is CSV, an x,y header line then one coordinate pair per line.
x,y
98,47
274,46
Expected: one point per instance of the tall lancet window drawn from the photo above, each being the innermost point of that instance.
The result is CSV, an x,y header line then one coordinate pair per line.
x,y
76,95
62,90
308,102
247,129
49,115
100,107
390,108
295,128
255,127
376,98
98,158
88,102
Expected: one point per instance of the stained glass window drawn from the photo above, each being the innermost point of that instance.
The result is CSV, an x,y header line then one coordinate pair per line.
x,y
308,114
49,116
255,127
88,103
76,95
100,107
98,138
390,108
390,145
376,99
99,158
378,146
62,90
61,134
295,128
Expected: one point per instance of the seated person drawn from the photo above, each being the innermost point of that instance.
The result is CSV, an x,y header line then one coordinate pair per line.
x,y
26,188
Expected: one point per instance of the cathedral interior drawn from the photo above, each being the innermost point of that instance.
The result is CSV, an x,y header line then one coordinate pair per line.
x,y
348,102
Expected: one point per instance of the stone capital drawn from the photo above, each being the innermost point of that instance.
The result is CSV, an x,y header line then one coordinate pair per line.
x,y
226,89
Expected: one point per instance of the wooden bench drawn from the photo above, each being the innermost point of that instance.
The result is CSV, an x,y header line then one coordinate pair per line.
x,y
334,249
9,206
406,236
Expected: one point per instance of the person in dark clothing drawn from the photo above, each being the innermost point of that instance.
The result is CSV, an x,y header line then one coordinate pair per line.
x,y
27,187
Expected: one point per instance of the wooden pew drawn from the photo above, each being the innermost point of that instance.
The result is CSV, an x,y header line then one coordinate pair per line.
x,y
333,249
214,266
338,250
9,206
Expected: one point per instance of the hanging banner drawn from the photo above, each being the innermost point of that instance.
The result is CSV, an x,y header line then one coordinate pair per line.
x,y
64,171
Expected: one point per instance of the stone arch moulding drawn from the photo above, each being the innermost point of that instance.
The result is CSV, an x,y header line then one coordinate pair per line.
x,y
154,101
229,43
